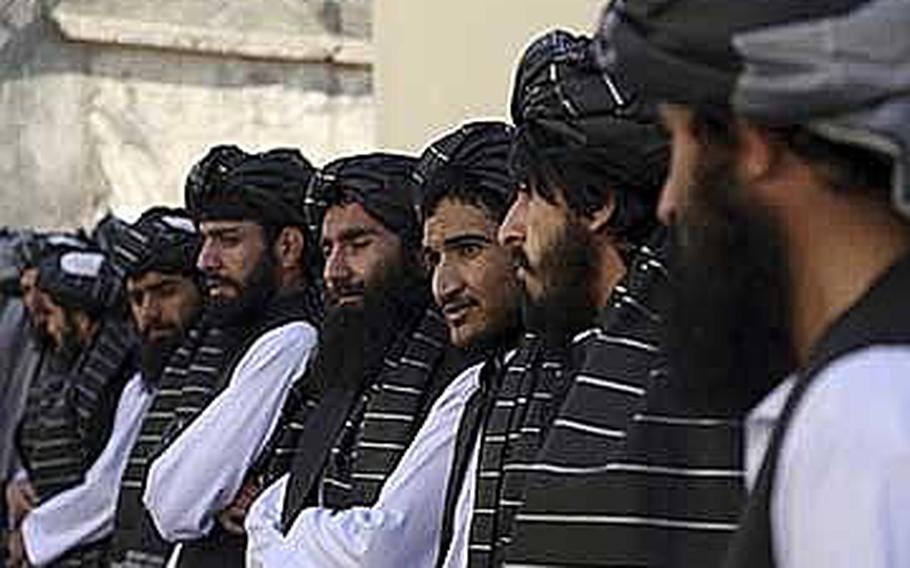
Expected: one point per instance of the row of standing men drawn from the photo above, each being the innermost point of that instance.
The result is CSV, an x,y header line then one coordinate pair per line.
x,y
477,357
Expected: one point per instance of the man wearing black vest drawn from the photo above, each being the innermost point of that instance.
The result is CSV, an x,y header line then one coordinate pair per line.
x,y
62,434
627,472
221,392
379,309
29,356
157,256
789,190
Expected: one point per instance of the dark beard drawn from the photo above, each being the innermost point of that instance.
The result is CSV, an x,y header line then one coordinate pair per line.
x,y
728,336
566,306
255,293
356,339
153,357
70,345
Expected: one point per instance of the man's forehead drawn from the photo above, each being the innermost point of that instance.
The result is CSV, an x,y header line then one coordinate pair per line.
x,y
454,219
350,218
153,278
225,226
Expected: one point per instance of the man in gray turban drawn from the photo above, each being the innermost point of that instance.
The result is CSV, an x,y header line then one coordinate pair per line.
x,y
789,193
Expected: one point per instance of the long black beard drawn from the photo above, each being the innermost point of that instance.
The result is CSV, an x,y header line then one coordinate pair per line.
x,y
255,294
153,358
566,306
728,336
355,339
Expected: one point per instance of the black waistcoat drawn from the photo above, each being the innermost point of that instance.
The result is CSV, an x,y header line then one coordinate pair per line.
x,y
355,437
197,371
74,420
881,317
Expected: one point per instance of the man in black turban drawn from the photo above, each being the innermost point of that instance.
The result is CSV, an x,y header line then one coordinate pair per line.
x,y
790,193
385,356
222,391
60,437
156,255
553,486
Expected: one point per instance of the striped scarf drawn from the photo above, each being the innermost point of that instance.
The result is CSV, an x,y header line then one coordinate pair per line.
x,y
73,420
386,417
630,475
370,427
72,413
197,371
516,411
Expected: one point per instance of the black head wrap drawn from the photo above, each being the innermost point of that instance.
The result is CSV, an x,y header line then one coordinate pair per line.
x,y
84,280
163,239
268,188
582,131
107,232
471,162
379,182
33,247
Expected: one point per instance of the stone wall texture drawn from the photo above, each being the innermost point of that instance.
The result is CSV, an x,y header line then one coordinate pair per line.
x,y
105,104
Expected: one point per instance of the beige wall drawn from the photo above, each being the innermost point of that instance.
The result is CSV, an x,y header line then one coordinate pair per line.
x,y
439,63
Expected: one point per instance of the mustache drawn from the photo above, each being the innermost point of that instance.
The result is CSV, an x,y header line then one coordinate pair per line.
x,y
457,302
333,293
214,280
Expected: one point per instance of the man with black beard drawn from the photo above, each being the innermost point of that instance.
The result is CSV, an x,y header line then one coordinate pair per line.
x,y
572,482
384,358
29,357
157,256
789,190
61,436
221,392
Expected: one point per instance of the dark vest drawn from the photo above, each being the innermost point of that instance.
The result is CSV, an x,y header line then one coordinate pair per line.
x,y
74,418
197,371
368,426
881,317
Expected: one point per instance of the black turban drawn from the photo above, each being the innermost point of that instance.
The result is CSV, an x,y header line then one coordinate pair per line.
x,y
269,188
33,247
380,183
80,279
163,239
589,131
470,162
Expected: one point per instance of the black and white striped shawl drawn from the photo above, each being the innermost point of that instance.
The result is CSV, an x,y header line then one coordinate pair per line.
x,y
71,422
629,475
197,371
388,414
381,419
514,408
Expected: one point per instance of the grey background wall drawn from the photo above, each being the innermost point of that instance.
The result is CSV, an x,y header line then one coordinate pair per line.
x,y
107,103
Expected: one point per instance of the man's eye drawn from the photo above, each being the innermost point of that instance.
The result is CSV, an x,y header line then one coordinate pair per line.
x,y
360,243
470,250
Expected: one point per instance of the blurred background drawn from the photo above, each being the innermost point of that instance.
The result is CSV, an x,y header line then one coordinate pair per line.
x,y
105,104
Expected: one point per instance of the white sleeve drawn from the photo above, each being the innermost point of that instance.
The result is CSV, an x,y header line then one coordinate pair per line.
x,y
841,495
203,469
401,529
86,512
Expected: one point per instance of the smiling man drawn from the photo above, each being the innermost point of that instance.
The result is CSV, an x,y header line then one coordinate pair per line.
x,y
397,522
223,389
789,188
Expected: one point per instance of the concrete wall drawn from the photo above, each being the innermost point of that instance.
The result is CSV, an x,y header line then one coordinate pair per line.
x,y
115,119
440,63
